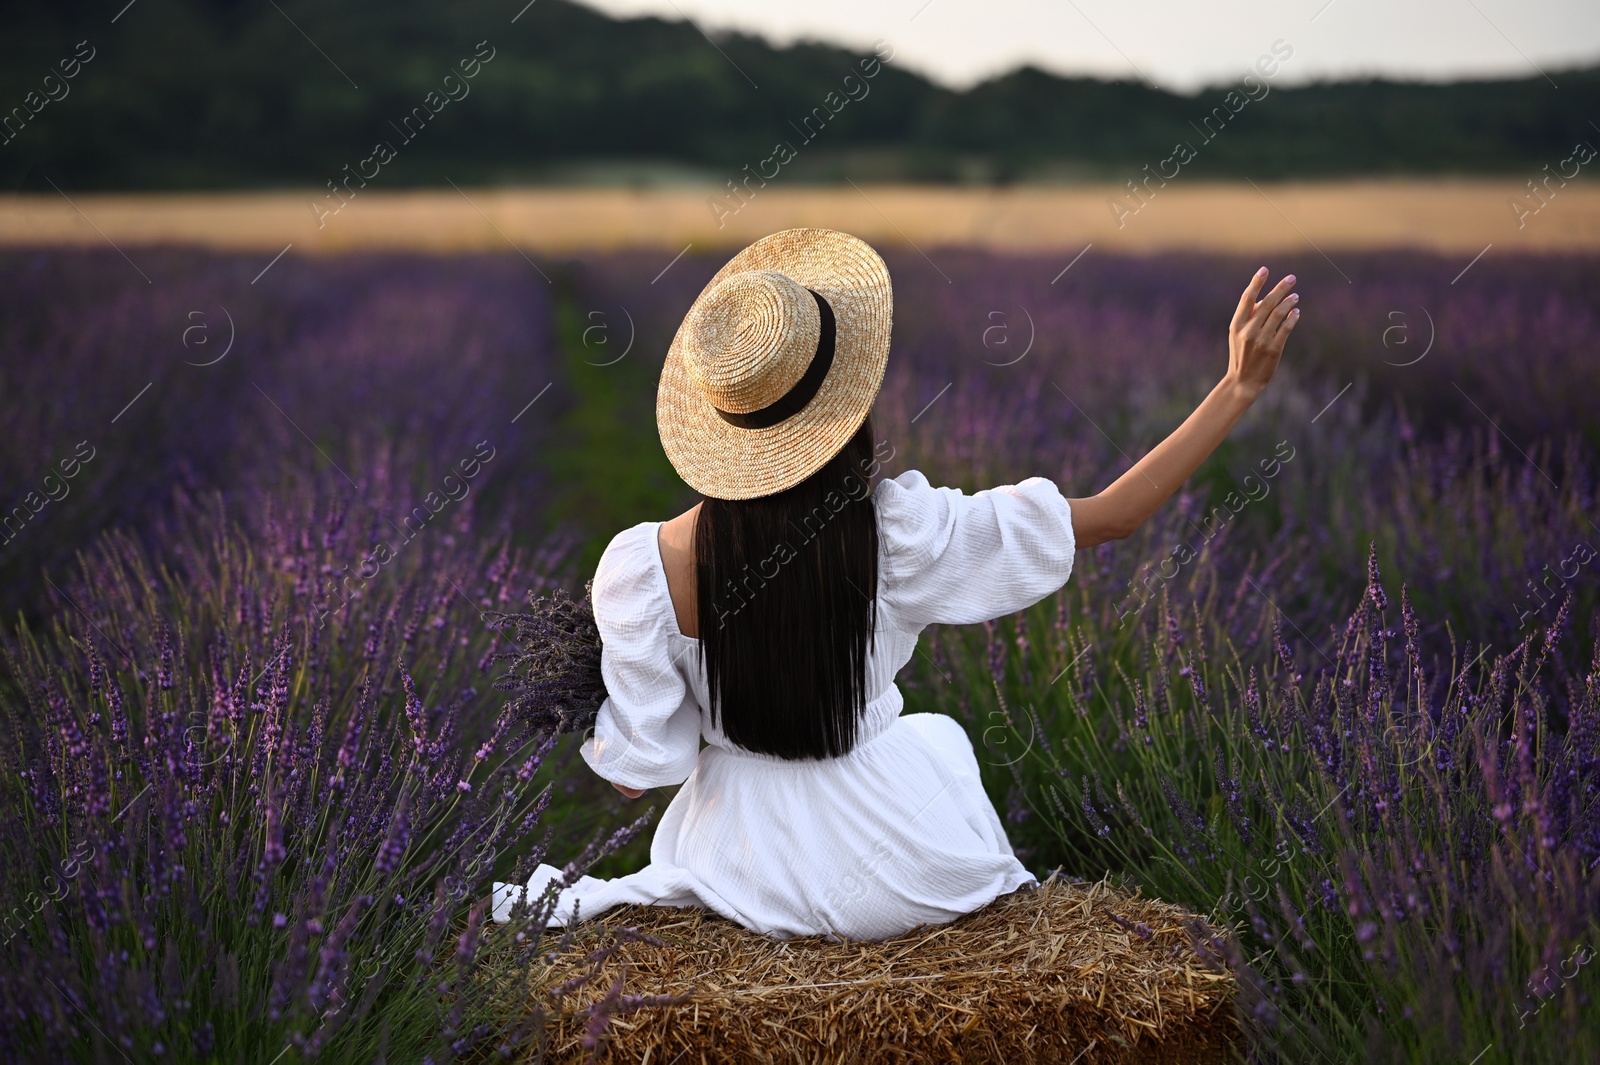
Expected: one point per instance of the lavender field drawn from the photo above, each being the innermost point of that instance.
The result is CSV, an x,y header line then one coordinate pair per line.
x,y
1342,695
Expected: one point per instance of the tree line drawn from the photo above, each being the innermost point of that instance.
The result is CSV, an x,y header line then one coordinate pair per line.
x,y
228,94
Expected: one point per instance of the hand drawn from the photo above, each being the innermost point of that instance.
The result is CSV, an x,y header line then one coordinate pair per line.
x,y
631,793
1258,332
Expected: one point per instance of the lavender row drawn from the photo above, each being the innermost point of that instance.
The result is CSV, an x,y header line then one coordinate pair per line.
x,y
253,804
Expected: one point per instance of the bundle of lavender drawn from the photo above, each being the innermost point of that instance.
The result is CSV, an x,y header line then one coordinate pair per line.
x,y
554,679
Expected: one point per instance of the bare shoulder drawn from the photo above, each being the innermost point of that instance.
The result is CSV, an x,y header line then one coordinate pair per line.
x,y
677,534
676,542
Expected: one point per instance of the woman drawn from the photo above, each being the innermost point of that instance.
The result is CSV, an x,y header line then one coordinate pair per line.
x,y
772,617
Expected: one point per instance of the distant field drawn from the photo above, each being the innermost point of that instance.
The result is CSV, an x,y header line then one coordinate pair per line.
x,y
1446,216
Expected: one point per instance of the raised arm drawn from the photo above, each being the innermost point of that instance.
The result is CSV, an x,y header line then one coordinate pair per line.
x,y
1256,337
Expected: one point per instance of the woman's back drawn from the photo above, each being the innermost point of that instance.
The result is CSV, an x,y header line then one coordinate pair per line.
x,y
943,557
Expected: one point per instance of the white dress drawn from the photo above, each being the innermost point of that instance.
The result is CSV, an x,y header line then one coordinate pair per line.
x,y
898,832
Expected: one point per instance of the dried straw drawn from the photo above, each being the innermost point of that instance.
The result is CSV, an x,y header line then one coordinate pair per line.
x,y
1043,974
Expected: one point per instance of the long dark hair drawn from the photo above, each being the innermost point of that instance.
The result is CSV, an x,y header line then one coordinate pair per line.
x,y
786,600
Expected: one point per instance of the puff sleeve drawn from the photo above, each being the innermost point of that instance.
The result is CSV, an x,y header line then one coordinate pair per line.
x,y
647,732
955,558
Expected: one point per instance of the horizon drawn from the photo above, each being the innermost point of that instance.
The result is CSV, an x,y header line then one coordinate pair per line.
x,y
1494,42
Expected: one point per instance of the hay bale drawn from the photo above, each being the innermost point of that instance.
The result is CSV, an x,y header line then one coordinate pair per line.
x,y
1063,972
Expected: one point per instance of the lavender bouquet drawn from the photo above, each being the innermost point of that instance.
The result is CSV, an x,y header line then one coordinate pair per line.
x,y
554,678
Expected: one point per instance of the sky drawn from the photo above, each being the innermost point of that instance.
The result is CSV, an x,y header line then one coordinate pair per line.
x,y
1182,46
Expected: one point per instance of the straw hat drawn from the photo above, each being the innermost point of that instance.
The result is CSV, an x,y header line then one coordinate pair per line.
x,y
777,363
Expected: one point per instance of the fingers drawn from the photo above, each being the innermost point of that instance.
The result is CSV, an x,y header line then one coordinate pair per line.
x,y
1274,298
1247,301
1278,313
1282,321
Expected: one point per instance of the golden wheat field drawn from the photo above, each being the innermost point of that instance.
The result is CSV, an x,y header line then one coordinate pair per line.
x,y
1441,215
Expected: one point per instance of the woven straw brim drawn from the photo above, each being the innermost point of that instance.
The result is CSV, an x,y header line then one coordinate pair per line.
x,y
724,461
1064,972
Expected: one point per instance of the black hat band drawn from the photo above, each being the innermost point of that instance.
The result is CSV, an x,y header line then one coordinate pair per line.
x,y
794,400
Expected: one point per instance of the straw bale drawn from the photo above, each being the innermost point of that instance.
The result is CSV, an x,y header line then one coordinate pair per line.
x,y
1045,974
